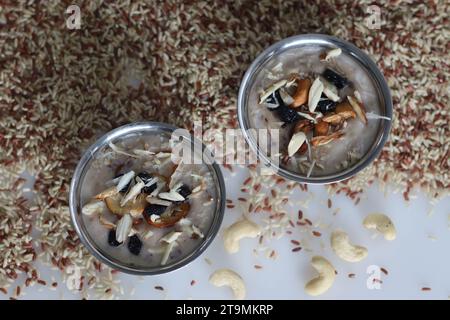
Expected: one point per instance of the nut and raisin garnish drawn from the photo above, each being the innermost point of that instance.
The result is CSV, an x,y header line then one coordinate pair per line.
x,y
146,206
316,108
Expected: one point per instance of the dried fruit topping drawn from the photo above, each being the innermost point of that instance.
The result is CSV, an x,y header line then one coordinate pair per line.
x,y
315,92
325,104
106,223
274,87
286,114
321,128
112,238
184,191
171,236
124,181
149,181
345,110
171,196
303,148
135,207
286,97
145,177
304,126
333,118
323,140
168,219
359,109
132,193
123,228
135,245
273,100
297,140
357,96
120,150
335,78
93,207
330,92
153,209
106,193
153,200
331,54
311,117
301,94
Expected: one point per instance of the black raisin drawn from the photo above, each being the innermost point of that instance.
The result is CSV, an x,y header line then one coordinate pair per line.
x,y
112,238
149,189
135,245
275,98
286,114
272,99
184,191
335,78
154,209
145,177
326,105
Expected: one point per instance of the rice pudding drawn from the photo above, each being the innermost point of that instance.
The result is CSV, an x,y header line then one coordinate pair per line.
x,y
143,205
324,104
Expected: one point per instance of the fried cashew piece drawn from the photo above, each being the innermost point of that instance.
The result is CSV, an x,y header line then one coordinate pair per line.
x,y
107,193
359,109
241,229
301,94
324,281
340,243
93,207
323,140
382,223
229,278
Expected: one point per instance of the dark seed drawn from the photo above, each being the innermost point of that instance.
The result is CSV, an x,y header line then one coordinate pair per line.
x,y
134,245
184,191
275,98
335,78
149,189
326,105
112,238
145,177
286,114
154,209
272,99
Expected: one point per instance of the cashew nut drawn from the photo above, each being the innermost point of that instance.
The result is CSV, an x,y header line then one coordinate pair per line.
x,y
93,207
227,277
240,229
382,223
324,281
340,243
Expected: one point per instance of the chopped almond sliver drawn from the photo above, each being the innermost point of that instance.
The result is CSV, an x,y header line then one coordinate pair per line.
x,y
296,142
359,109
274,87
330,54
333,118
323,140
315,92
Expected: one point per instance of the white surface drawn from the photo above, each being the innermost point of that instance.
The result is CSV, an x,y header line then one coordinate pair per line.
x,y
414,260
